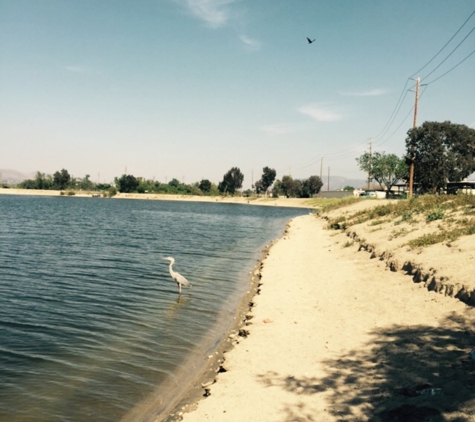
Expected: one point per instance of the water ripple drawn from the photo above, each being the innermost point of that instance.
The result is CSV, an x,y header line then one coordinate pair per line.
x,y
90,321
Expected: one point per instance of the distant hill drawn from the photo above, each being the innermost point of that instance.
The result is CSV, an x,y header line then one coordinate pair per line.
x,y
11,177
339,182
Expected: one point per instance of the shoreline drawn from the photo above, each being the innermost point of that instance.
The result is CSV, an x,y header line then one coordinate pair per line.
x,y
308,349
199,388
261,201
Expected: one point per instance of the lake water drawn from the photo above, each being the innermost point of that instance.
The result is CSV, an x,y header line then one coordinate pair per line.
x,y
90,321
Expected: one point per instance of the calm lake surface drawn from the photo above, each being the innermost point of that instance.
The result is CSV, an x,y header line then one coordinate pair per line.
x,y
90,321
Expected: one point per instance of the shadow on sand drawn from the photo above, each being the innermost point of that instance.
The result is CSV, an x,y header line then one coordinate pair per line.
x,y
387,380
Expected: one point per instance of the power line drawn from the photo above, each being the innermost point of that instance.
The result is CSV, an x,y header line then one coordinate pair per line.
x,y
446,44
403,120
450,70
452,52
347,152
395,112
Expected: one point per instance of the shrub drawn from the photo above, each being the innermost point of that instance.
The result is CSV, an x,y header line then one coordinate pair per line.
x,y
435,214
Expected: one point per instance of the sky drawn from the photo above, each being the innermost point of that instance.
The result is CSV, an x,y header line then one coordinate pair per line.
x,y
187,89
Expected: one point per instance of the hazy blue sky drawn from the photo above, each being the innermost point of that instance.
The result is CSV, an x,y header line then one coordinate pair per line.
x,y
190,88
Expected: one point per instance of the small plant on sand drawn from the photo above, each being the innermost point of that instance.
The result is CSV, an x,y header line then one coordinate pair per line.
x,y
377,222
407,216
348,244
398,233
381,211
442,236
435,214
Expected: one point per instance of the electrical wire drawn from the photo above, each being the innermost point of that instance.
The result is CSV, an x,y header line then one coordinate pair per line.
x,y
452,52
450,70
446,44
347,152
395,112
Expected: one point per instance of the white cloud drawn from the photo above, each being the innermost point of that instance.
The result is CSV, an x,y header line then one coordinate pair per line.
x,y
250,44
277,129
369,93
216,13
320,114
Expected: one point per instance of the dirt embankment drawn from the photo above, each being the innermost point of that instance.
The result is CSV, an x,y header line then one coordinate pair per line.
x,y
402,242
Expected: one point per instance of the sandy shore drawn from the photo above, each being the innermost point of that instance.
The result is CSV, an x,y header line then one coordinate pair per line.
x,y
279,202
336,336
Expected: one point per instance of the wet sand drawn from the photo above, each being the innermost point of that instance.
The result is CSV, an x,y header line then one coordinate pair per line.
x,y
336,336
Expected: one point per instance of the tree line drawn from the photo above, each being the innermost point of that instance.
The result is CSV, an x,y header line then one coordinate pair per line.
x,y
440,152
231,184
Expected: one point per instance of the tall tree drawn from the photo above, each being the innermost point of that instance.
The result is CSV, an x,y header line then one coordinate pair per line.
x,y
86,183
291,188
268,177
205,186
386,169
61,179
311,186
43,181
231,182
442,152
127,183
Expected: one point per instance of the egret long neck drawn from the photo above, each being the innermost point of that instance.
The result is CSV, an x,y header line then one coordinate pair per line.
x,y
172,273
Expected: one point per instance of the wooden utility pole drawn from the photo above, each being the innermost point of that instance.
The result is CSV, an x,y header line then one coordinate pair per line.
x,y
328,186
370,162
414,124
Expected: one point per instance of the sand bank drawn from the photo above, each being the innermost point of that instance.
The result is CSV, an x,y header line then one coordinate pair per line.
x,y
279,202
336,336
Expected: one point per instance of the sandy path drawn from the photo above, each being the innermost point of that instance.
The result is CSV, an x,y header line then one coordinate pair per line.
x,y
348,340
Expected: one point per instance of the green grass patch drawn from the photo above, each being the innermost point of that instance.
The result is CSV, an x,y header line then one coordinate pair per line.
x,y
442,236
328,204
377,222
435,214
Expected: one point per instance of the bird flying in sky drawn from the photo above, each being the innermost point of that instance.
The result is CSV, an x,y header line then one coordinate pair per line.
x,y
309,40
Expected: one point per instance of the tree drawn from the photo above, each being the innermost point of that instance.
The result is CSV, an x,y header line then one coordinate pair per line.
x,y
175,183
268,177
386,169
259,188
289,187
441,152
86,183
231,182
61,179
205,186
311,186
43,181
126,183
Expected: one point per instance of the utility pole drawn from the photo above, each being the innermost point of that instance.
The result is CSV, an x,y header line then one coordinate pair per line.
x,y
328,184
414,124
370,161
321,167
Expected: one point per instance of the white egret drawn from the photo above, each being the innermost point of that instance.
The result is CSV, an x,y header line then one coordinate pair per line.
x,y
180,280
